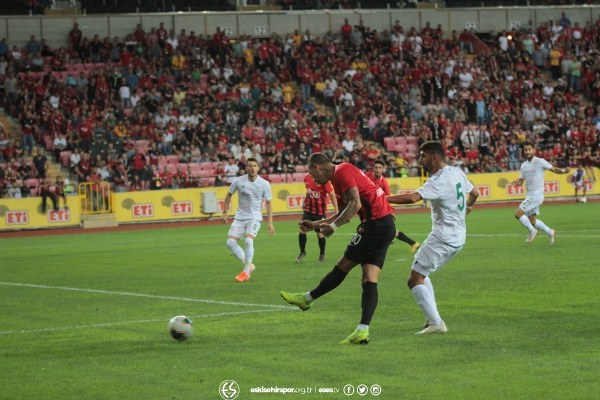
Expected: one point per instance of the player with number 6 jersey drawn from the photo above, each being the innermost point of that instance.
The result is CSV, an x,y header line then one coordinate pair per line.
x,y
451,196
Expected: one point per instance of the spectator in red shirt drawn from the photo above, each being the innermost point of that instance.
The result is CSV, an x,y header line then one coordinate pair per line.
x,y
85,130
75,37
346,30
166,178
162,34
139,162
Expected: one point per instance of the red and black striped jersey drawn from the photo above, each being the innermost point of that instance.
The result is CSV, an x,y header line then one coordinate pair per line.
x,y
315,201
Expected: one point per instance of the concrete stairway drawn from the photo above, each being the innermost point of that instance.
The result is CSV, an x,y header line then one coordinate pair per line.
x,y
99,221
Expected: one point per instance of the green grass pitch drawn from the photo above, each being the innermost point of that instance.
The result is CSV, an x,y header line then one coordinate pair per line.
x,y
84,316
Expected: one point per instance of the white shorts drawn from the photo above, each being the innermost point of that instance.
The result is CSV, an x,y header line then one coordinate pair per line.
x,y
578,185
240,229
531,205
433,255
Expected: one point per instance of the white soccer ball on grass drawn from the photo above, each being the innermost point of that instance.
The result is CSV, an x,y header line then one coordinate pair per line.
x,y
180,328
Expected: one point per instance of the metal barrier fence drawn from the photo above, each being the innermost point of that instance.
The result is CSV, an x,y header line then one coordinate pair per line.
x,y
96,198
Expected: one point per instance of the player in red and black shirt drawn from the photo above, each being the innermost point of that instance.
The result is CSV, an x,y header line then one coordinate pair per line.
x,y
315,208
376,176
355,194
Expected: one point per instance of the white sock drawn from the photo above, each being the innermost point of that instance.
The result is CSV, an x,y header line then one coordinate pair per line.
x,y
424,299
362,327
236,250
542,227
526,223
249,255
308,297
430,288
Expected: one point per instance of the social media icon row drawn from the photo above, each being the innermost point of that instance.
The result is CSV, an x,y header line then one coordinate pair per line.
x,y
362,390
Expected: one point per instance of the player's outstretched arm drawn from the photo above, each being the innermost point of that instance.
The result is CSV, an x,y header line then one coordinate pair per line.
x,y
307,225
406,198
560,171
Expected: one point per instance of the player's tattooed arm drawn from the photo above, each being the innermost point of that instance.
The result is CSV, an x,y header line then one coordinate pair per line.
x,y
353,204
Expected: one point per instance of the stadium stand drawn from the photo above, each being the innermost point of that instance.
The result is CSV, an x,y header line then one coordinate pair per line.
x,y
172,106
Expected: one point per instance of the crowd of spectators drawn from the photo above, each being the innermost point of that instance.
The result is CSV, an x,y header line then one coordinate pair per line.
x,y
164,109
20,7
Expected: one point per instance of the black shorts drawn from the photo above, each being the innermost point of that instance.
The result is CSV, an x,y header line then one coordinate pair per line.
x,y
307,216
370,242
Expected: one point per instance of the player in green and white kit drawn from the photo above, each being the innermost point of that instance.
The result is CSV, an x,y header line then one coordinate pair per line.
x,y
451,196
252,191
532,173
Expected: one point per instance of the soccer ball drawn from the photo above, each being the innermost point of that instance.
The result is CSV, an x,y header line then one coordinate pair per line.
x,y
583,200
180,328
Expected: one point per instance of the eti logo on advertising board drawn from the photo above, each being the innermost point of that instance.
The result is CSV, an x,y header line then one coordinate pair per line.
x,y
295,201
515,190
181,208
142,210
17,217
58,216
551,187
484,191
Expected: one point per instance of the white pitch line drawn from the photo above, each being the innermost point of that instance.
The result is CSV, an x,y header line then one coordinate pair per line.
x,y
560,234
150,296
142,321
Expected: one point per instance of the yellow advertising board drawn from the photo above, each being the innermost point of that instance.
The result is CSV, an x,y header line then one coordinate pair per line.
x,y
27,213
186,204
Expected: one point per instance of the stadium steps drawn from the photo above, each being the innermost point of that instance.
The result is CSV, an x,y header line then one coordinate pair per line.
x,y
9,127
54,169
12,130
99,221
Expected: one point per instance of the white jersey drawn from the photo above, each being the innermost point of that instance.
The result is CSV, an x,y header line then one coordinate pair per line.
x,y
251,195
533,173
447,191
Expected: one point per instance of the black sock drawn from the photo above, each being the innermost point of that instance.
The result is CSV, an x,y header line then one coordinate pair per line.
x,y
302,242
322,245
404,238
370,297
329,282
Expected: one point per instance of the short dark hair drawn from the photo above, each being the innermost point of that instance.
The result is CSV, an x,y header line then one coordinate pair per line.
x,y
318,159
252,159
379,162
433,147
529,143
